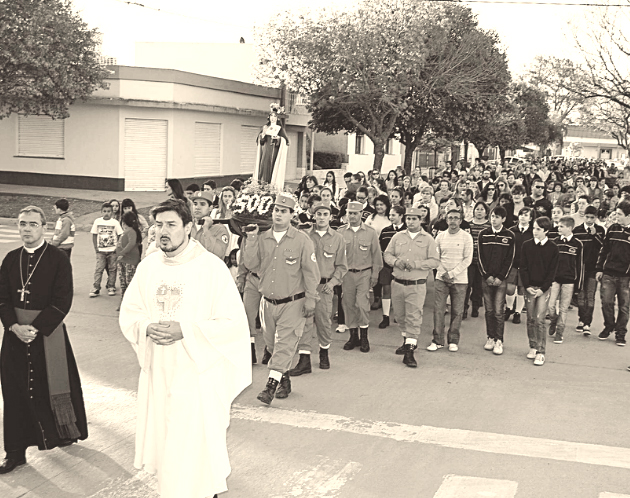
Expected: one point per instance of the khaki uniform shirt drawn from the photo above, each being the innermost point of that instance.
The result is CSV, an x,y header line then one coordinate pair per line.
x,y
330,251
420,252
362,248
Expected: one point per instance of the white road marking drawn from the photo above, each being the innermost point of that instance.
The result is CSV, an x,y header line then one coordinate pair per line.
x,y
612,495
503,444
323,481
475,487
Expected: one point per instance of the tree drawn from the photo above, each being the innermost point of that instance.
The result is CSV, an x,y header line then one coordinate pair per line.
x,y
362,66
48,58
464,69
611,118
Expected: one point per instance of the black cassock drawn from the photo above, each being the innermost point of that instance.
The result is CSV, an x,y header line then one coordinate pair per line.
x,y
28,416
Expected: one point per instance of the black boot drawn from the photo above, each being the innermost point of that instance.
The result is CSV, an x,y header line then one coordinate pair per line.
x,y
508,313
365,344
354,341
409,360
465,314
384,323
475,312
13,459
324,362
284,389
303,366
266,356
401,349
266,395
376,304
254,359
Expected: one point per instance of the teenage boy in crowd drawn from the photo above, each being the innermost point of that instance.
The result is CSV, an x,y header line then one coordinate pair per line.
x,y
537,268
568,279
64,228
105,232
613,271
592,237
515,289
496,249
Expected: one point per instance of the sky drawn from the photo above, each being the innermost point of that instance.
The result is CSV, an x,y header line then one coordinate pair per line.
x,y
525,30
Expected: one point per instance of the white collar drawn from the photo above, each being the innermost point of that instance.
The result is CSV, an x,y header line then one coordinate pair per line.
x,y
496,231
542,242
31,250
567,238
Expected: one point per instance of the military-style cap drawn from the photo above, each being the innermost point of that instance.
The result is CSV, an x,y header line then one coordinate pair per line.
x,y
320,205
412,211
285,200
203,195
354,206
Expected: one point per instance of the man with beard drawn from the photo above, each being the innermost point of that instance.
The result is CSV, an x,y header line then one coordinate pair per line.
x,y
43,401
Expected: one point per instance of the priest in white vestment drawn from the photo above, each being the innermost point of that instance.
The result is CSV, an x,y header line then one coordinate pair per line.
x,y
183,315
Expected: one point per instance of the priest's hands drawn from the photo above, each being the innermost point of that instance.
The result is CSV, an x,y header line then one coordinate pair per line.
x,y
165,333
25,333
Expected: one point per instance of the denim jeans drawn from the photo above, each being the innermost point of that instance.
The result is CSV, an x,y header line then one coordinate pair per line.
x,y
561,293
458,293
105,260
536,327
611,287
586,300
494,304
474,292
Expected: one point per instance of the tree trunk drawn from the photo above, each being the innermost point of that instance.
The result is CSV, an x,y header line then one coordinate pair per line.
x,y
407,165
465,153
502,153
379,154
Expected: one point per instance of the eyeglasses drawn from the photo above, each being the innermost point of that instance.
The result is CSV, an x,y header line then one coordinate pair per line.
x,y
32,224
539,186
361,198
453,218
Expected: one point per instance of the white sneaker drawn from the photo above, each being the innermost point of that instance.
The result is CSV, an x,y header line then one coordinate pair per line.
x,y
539,360
498,347
453,347
532,354
489,344
434,347
341,329
587,330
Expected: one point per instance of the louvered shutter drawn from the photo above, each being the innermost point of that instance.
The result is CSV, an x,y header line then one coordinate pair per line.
x,y
146,147
40,136
207,149
248,148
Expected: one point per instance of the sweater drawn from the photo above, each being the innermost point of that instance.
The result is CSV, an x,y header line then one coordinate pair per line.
x,y
455,251
538,264
592,244
129,247
496,253
570,263
519,238
64,232
614,257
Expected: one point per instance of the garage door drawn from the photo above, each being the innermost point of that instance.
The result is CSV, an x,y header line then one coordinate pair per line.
x,y
146,147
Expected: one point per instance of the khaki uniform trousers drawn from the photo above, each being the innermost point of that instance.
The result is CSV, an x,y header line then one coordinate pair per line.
x,y
356,298
408,302
320,324
251,301
283,325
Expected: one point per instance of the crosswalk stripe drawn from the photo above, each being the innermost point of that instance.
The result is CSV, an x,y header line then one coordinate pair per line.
x,y
612,495
475,487
325,479
504,444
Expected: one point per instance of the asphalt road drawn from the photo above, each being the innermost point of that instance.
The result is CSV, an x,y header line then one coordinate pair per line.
x,y
461,425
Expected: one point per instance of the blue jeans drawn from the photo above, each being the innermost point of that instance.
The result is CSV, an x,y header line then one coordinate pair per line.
x,y
561,293
494,304
611,287
474,292
105,260
458,293
586,300
536,312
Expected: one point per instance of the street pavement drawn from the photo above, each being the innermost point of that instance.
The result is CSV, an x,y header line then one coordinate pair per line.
x,y
461,425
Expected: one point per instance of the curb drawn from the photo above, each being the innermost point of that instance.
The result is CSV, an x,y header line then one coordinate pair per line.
x,y
49,226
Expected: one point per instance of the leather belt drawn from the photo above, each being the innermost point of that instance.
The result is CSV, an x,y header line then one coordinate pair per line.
x,y
286,299
325,280
410,282
255,274
359,271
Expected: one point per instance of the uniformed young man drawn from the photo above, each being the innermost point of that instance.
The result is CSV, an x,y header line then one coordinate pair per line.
x,y
413,254
364,264
214,237
330,252
248,283
284,258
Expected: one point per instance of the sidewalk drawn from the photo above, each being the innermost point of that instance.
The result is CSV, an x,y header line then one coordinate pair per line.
x,y
82,223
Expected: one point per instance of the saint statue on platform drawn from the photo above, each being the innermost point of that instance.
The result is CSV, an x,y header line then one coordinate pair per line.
x,y
272,142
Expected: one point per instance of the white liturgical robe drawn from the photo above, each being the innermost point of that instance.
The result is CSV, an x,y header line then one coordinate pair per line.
x,y
186,389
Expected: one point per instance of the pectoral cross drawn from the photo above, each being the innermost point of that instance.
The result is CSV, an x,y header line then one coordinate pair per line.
x,y
23,291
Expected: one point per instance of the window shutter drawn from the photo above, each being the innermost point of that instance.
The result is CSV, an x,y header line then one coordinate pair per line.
x,y
40,136
146,147
207,149
248,148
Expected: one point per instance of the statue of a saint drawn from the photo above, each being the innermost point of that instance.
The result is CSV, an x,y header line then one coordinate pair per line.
x,y
272,142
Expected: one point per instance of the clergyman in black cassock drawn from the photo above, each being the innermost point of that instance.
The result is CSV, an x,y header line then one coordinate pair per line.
x,y
43,400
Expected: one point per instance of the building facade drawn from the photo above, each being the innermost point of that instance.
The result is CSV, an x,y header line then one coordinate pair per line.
x,y
149,125
588,143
